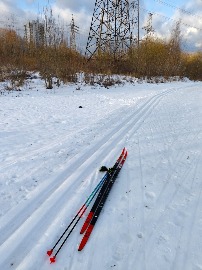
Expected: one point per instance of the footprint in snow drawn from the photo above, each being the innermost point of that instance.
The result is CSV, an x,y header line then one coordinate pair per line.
x,y
126,238
118,255
150,198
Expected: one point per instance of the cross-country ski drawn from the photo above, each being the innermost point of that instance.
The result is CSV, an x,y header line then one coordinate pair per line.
x,y
98,205
106,178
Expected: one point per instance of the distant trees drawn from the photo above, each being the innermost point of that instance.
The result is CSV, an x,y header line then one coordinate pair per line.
x,y
193,66
18,56
55,61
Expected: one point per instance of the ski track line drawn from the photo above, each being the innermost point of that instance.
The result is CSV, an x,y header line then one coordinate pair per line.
x,y
71,247
129,215
152,238
142,261
160,214
181,257
119,253
49,146
91,251
102,146
42,149
163,191
90,263
172,169
75,162
174,161
127,211
129,134
169,200
37,152
72,163
198,208
167,154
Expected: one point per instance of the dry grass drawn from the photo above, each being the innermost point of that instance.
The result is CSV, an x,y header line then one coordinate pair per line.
x,y
153,58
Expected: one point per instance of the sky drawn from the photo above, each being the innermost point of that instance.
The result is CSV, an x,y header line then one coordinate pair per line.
x,y
165,14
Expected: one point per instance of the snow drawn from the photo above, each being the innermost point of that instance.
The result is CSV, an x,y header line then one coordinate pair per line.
x,y
51,152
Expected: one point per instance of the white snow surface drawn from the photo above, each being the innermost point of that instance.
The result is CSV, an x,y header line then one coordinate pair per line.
x,y
51,152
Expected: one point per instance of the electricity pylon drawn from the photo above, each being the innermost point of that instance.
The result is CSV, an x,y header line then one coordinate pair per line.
x,y
149,28
111,28
73,31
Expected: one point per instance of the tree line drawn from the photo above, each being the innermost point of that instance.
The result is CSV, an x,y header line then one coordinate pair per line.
x,y
153,57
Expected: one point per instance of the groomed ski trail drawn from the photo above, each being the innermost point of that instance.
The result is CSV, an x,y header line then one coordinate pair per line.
x,y
34,218
27,228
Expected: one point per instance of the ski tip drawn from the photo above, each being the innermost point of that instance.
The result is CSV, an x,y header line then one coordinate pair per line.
x,y
80,248
49,252
82,245
53,259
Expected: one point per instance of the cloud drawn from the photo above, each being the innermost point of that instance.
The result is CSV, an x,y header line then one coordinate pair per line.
x,y
7,6
194,5
77,5
10,8
191,24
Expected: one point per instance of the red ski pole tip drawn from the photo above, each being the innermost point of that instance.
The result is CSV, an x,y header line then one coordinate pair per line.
x,y
49,252
52,259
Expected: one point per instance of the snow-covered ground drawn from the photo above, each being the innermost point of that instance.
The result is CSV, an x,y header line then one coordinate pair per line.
x,y
51,152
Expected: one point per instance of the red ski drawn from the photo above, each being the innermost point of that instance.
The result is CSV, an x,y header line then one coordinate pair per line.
x,y
99,205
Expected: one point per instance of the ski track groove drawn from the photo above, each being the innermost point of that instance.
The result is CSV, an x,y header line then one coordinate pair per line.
x,y
73,163
174,166
182,253
129,214
155,223
42,201
37,152
132,133
173,159
198,207
168,203
59,141
180,154
142,262
169,180
128,211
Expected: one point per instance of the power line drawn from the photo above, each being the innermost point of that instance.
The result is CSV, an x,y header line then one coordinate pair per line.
x,y
168,18
180,9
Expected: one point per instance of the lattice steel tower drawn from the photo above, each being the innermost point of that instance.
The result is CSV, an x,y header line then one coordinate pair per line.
x,y
149,28
73,31
111,27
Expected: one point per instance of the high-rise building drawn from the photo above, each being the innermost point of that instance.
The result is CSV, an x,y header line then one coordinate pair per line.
x,y
35,33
